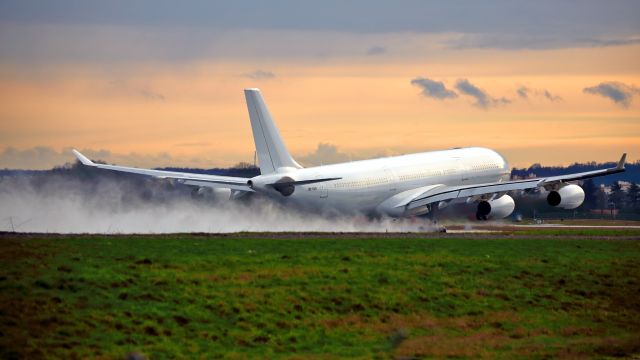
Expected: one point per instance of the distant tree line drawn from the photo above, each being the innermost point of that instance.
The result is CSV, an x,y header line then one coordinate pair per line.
x,y
631,174
612,195
624,197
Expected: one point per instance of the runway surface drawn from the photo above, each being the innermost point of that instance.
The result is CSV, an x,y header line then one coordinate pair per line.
x,y
560,226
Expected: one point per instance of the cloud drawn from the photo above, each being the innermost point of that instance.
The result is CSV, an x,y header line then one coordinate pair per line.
x,y
150,95
259,75
130,88
519,41
91,31
523,92
376,50
549,96
44,157
324,154
39,157
547,17
483,100
194,144
433,89
593,42
620,93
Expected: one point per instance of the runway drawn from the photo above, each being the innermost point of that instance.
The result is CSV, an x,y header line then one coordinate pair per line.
x,y
560,226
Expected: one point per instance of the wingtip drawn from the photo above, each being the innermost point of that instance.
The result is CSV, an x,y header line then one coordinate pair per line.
x,y
83,159
622,161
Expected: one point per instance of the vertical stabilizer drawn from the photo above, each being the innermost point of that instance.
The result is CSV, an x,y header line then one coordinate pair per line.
x,y
272,154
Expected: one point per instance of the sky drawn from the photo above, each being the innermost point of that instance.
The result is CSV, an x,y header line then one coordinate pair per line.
x,y
159,83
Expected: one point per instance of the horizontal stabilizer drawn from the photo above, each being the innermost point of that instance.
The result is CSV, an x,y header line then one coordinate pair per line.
x,y
303,182
286,185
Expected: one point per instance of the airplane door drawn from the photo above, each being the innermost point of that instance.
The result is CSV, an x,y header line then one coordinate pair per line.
x,y
324,191
391,179
462,171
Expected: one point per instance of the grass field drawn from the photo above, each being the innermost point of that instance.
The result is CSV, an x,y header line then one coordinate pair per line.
x,y
549,294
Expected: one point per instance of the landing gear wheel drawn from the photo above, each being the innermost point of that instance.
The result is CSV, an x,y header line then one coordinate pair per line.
x,y
484,209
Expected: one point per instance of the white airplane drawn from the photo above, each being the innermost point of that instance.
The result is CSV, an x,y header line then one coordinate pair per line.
x,y
397,186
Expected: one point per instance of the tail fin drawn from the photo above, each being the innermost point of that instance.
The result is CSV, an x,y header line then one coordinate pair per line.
x,y
272,154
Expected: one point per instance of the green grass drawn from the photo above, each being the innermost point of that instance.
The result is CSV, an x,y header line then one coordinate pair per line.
x,y
194,296
581,232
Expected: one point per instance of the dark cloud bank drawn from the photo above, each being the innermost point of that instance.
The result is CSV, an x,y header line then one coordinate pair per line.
x,y
524,92
482,99
438,90
434,89
539,19
619,93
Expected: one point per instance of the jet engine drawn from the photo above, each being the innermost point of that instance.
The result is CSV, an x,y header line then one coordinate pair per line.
x,y
285,186
496,209
282,184
567,197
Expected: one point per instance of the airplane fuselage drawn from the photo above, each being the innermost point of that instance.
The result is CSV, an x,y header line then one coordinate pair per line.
x,y
364,185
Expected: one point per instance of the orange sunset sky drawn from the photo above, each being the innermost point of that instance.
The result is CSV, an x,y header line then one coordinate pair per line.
x,y
155,83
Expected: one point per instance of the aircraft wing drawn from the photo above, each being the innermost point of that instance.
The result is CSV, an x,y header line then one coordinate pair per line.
x,y
214,181
434,194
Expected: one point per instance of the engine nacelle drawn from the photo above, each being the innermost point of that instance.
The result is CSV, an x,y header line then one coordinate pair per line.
x,y
217,193
496,209
567,197
272,184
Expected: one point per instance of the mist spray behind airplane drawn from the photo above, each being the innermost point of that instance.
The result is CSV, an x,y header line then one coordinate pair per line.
x,y
55,204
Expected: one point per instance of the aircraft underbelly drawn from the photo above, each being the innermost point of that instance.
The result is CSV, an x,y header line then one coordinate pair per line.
x,y
360,201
